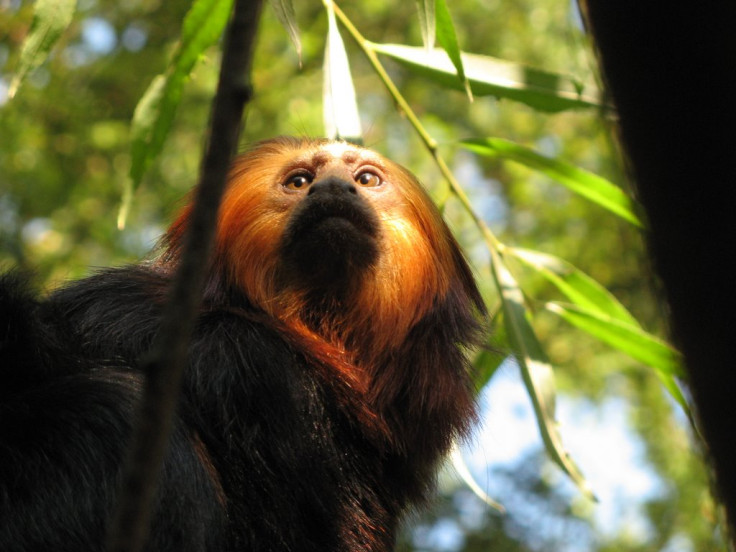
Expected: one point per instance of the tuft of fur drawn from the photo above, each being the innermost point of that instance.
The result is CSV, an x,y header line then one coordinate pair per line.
x,y
327,374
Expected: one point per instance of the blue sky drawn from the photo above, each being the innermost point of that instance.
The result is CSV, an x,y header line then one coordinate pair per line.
x,y
597,436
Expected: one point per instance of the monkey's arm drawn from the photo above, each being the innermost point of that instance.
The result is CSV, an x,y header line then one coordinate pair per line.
x,y
65,420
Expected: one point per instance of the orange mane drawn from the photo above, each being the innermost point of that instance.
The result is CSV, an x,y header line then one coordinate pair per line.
x,y
418,266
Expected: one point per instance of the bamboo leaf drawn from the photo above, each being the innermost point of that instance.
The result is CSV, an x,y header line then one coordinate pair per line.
x,y
584,183
50,20
447,38
488,360
486,363
151,121
535,369
670,383
340,106
488,76
577,286
203,25
632,340
462,469
427,22
284,10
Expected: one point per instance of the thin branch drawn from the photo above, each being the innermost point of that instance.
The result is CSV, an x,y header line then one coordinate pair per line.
x,y
429,142
164,367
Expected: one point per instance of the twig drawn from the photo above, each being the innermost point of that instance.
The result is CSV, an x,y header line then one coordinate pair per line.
x,y
164,368
429,142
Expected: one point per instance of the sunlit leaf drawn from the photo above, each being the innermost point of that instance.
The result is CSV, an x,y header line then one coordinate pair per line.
x,y
341,117
151,121
490,358
425,9
50,19
447,38
462,470
632,340
577,286
486,363
535,369
203,26
670,383
584,183
490,76
285,13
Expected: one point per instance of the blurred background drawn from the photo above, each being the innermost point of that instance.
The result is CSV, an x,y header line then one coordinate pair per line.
x,y
65,156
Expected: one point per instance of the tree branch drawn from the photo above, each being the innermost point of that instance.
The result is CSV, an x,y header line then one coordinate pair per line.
x,y
670,69
165,365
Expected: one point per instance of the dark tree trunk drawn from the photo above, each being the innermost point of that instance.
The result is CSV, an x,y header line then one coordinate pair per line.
x,y
671,69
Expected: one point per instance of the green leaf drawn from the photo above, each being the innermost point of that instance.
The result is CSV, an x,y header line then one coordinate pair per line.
x,y
584,183
340,106
203,26
670,383
485,364
50,19
535,369
632,340
285,13
488,359
490,76
151,121
447,38
426,11
577,286
462,470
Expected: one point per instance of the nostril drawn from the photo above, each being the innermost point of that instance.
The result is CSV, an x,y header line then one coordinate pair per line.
x,y
332,186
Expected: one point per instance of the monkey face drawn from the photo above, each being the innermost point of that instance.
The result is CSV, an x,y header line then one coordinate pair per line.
x,y
316,213
314,224
332,236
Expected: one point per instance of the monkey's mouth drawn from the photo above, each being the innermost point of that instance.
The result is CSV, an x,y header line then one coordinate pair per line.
x,y
329,238
334,219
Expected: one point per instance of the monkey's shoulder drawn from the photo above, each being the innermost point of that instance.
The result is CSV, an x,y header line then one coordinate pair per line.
x,y
112,299
118,312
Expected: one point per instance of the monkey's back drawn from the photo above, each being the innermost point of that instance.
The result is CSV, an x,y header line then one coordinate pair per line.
x,y
262,458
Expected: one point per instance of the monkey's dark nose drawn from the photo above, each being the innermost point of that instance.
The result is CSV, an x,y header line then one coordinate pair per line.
x,y
332,186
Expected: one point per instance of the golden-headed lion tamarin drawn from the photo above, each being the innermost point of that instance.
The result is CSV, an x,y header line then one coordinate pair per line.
x,y
327,374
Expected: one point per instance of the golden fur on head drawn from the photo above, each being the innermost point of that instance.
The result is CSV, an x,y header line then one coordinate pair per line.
x,y
418,261
342,253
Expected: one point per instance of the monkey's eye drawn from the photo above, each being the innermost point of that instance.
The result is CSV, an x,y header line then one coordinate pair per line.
x,y
368,179
299,181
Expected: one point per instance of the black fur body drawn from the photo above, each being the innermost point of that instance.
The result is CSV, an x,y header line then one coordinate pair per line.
x,y
287,463
309,430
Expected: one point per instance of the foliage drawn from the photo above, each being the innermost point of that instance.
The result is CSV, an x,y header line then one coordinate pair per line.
x,y
96,120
